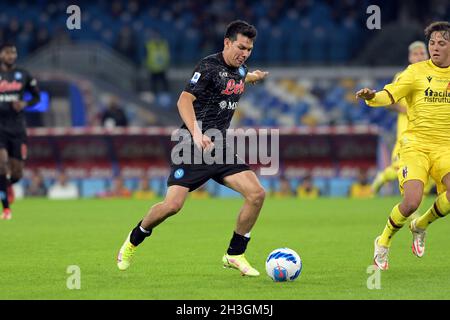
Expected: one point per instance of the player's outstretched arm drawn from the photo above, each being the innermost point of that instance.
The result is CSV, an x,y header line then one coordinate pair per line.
x,y
366,94
374,98
255,76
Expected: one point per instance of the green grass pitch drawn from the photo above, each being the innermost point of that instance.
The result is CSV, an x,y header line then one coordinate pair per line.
x,y
182,259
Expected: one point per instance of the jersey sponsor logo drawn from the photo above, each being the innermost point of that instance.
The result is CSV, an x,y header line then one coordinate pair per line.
x,y
233,87
6,86
178,174
442,80
437,96
195,77
232,105
228,105
9,97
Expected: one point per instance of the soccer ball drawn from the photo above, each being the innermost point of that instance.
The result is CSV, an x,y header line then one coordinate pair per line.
x,y
283,264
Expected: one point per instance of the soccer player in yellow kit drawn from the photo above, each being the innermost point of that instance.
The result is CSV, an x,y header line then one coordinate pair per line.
x,y
417,52
425,145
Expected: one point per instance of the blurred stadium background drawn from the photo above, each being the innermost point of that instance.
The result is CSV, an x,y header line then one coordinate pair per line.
x,y
136,56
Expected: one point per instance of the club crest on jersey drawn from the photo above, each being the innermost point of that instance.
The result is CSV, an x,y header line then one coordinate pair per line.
x,y
405,172
18,75
178,174
195,77
241,71
233,87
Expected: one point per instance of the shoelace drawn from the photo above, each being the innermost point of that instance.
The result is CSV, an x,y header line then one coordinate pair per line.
x,y
128,252
382,252
421,238
245,260
242,261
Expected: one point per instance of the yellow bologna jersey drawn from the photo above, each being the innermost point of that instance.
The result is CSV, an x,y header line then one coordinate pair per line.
x,y
402,118
426,90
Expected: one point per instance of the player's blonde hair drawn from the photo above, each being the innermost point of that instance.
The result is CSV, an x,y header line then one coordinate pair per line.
x,y
417,44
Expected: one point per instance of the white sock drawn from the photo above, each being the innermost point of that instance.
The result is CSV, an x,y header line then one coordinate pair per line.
x,y
247,235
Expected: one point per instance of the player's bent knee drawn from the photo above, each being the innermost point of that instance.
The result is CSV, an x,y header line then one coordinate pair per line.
x,y
411,205
257,196
173,207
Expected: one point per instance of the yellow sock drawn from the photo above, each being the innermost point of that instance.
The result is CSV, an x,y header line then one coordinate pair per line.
x,y
395,222
430,184
439,209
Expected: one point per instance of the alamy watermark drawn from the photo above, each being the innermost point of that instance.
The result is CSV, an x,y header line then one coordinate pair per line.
x,y
374,280
374,20
74,20
262,147
74,280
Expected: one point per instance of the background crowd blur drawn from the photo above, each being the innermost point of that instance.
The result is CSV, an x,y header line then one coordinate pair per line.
x,y
129,61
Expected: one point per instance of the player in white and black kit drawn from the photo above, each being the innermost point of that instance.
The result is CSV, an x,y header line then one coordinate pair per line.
x,y
14,82
208,102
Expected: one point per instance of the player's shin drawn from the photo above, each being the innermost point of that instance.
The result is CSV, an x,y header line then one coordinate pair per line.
x,y
439,209
395,222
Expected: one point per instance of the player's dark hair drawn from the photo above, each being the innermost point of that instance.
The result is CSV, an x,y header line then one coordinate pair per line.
x,y
5,45
440,26
242,27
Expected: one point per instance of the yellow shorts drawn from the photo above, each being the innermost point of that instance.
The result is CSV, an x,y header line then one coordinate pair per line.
x,y
416,164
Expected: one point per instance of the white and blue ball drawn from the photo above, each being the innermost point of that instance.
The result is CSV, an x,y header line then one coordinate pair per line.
x,y
283,264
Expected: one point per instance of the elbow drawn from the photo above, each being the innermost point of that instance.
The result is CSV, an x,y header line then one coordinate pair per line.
x,y
179,102
185,98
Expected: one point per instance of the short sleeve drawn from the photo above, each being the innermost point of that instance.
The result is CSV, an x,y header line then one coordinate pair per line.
x,y
31,82
200,79
402,85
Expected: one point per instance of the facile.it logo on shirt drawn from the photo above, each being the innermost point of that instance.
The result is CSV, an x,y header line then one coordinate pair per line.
x,y
435,96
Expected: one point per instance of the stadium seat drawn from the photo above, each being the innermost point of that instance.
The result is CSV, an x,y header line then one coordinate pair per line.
x,y
227,192
159,185
322,184
131,183
90,187
339,187
211,187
